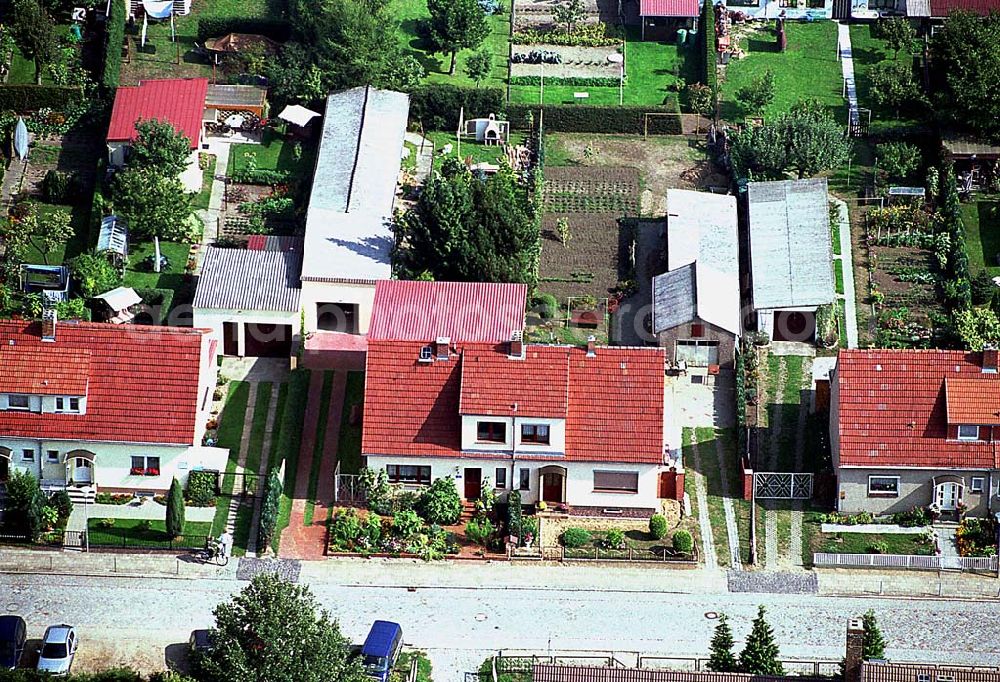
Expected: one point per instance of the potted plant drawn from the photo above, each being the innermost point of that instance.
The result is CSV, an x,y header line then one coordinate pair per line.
x,y
541,505
934,511
529,529
961,508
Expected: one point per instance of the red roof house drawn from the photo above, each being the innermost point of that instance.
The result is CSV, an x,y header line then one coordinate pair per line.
x,y
916,427
178,101
942,8
106,394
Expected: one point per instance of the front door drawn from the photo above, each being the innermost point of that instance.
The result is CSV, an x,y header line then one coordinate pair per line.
x,y
473,484
552,488
230,338
83,471
4,469
948,496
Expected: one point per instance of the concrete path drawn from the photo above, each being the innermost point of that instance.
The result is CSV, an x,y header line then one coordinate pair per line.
x,y
770,539
947,543
704,524
146,508
262,472
210,217
847,69
425,159
236,499
12,179
846,259
732,530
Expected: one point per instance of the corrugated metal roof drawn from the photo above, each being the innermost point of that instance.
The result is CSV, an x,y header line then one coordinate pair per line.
x,y
895,672
790,254
348,223
235,96
674,300
239,279
696,291
461,311
178,101
668,8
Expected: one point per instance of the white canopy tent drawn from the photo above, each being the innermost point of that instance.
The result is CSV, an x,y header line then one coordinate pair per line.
x,y
297,115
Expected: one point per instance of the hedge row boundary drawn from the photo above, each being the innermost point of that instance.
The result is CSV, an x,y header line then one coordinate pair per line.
x,y
113,40
23,97
708,45
621,120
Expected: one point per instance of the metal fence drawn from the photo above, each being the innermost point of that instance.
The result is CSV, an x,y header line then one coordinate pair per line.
x,y
110,540
643,555
908,561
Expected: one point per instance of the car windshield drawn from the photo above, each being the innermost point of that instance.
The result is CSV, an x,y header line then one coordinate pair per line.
x,y
375,664
54,650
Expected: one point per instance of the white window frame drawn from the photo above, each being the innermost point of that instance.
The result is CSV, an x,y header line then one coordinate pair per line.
x,y
883,493
978,484
968,426
501,478
27,455
49,456
12,406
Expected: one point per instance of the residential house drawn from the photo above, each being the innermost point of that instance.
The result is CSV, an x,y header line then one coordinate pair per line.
x,y
86,406
451,390
791,261
911,428
177,101
696,302
791,9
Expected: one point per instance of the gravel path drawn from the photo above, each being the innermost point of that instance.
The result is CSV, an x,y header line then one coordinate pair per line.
x,y
701,491
732,531
235,499
770,539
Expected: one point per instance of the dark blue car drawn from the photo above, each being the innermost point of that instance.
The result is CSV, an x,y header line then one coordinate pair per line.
x,y
13,633
381,648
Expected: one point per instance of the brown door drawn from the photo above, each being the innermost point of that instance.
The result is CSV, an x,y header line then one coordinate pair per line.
x,y
4,469
667,484
473,484
230,340
552,488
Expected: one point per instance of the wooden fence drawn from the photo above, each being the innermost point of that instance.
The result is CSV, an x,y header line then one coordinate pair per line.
x,y
906,561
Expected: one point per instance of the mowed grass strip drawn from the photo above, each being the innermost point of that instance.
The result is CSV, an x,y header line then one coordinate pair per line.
x,y
288,442
705,437
229,435
255,446
318,453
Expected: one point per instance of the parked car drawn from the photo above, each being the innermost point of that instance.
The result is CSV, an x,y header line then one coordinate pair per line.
x,y
58,649
381,649
13,632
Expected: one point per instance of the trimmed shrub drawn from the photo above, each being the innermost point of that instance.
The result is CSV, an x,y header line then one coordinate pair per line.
x,y
158,302
708,45
61,503
614,539
440,502
683,542
658,526
545,305
259,176
626,120
175,510
914,518
201,488
113,40
269,509
480,530
216,27
983,288
514,513
24,98
575,537
437,106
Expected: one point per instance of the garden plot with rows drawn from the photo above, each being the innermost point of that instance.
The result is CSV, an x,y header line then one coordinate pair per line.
x,y
586,65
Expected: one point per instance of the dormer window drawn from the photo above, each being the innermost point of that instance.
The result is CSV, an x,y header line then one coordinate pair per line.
x,y
426,354
968,432
67,404
491,432
17,401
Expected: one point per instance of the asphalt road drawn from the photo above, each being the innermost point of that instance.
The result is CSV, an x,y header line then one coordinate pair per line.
x,y
134,621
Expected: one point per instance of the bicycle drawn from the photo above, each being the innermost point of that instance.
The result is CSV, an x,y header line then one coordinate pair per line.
x,y
213,553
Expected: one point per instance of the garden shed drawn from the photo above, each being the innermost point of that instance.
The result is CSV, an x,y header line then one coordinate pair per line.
x,y
791,260
118,305
663,18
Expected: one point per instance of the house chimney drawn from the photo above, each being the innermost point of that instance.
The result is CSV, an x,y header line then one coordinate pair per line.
x,y
854,650
990,358
49,325
517,345
591,346
441,349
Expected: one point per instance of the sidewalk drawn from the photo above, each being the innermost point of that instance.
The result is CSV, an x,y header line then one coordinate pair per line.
x,y
181,565
917,584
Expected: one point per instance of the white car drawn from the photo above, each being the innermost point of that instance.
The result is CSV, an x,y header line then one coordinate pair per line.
x,y
58,649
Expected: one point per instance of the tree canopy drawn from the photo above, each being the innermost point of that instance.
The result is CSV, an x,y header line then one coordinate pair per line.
x,y
159,147
873,644
721,657
966,59
455,25
465,228
34,33
275,631
760,653
154,205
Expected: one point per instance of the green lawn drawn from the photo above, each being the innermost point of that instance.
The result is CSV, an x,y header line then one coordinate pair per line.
x,y
274,153
410,12
127,533
349,447
869,51
317,456
838,275
289,441
279,412
864,543
138,276
835,238
79,216
478,152
809,68
230,434
650,67
982,235
207,176
706,436
255,447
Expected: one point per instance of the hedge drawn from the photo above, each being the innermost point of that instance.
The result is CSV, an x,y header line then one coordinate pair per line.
x,y
114,37
216,27
437,106
159,301
624,120
709,46
581,81
259,176
23,98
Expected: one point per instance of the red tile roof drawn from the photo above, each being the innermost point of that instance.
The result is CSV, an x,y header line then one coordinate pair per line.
x,y
668,8
179,101
613,402
942,8
142,385
893,411
64,371
973,400
462,311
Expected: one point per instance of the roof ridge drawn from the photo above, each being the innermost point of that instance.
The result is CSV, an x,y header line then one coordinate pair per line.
x,y
357,149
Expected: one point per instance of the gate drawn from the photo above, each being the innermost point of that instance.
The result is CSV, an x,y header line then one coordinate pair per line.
x,y
782,486
73,539
841,10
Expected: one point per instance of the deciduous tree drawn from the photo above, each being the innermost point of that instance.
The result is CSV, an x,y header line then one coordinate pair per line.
x,y
160,147
760,654
455,25
569,13
892,86
275,631
899,160
815,141
759,94
479,65
966,58
25,502
34,34
153,204
898,34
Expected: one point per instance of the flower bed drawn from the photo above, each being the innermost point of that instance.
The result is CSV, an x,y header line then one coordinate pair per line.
x,y
976,537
